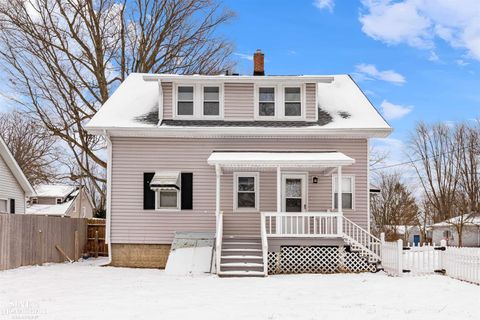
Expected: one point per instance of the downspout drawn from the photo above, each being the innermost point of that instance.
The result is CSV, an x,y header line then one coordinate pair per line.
x,y
109,196
160,102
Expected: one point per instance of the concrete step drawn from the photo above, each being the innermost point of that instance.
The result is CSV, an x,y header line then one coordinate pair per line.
x,y
241,264
242,257
238,266
233,250
241,245
241,274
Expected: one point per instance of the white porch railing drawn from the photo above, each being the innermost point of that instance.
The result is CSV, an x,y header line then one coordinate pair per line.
x,y
357,236
218,241
302,224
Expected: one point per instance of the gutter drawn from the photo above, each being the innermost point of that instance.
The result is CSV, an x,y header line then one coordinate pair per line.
x,y
109,196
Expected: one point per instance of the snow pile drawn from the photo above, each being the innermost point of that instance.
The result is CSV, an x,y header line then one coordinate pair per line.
x,y
64,291
53,190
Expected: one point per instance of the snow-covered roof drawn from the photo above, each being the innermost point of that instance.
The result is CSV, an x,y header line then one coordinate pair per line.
x,y
54,190
468,219
342,106
50,209
274,159
15,168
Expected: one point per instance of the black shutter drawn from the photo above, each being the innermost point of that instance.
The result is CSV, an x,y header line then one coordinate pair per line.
x,y
148,194
12,205
187,191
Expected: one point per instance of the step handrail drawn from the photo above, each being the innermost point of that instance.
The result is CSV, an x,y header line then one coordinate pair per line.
x,y
218,241
263,232
362,237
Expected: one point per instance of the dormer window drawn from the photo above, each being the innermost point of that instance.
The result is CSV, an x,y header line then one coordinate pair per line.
x,y
266,102
185,100
293,102
211,101
282,102
198,101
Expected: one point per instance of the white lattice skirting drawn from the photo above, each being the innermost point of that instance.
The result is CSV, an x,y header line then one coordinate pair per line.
x,y
306,259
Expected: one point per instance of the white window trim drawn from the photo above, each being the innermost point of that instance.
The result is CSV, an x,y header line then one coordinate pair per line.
x,y
237,175
302,102
256,98
334,178
280,101
179,199
8,204
220,101
198,95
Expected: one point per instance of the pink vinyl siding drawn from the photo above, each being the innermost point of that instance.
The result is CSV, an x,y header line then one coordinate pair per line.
x,y
310,102
133,156
239,101
167,88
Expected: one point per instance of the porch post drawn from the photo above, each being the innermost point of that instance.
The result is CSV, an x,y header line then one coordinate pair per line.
x,y
218,173
339,201
279,190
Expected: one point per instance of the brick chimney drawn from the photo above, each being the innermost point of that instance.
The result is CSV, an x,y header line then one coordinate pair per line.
x,y
258,65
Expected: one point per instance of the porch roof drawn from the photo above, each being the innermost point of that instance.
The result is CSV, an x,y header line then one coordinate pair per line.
x,y
300,159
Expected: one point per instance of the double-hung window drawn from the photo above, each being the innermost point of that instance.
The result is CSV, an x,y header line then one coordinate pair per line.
x,y
293,102
211,101
347,192
185,100
246,191
266,101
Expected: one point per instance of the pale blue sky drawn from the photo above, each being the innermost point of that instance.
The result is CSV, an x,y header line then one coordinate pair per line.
x,y
416,60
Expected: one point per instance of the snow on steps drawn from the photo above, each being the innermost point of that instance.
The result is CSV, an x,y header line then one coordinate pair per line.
x,y
241,257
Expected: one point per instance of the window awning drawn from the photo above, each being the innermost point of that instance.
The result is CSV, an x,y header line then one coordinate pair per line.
x,y
301,159
166,180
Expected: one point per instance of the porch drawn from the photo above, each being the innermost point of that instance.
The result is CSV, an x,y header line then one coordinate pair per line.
x,y
292,224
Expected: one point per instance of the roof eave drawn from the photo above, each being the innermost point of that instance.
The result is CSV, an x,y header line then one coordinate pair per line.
x,y
213,132
15,169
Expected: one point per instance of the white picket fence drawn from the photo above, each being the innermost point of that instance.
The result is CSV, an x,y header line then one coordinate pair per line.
x,y
458,263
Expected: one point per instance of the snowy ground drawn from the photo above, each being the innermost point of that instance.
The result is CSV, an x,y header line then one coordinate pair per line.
x,y
86,291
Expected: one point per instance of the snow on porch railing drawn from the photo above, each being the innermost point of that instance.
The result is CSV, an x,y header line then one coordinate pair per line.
x,y
302,224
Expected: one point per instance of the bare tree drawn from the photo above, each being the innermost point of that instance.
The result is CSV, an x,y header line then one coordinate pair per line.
x,y
449,171
394,206
32,146
436,167
64,58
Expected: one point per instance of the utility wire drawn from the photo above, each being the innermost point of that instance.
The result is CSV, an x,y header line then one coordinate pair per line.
x,y
420,159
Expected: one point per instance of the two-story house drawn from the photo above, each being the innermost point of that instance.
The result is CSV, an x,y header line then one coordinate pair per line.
x,y
258,160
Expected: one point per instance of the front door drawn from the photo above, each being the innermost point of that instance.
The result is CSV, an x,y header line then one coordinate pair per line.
x,y
294,189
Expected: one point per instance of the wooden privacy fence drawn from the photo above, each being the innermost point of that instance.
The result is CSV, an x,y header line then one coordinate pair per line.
x,y
458,263
96,245
32,239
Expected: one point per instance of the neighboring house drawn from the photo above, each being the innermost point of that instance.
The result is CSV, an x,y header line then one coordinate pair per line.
x,y
14,186
60,200
411,235
447,230
255,160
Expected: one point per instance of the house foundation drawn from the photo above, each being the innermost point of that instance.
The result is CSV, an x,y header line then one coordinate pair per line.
x,y
140,255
